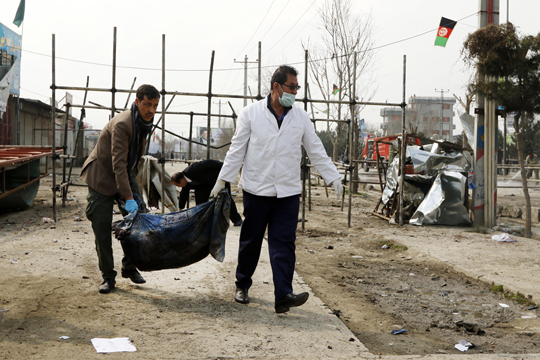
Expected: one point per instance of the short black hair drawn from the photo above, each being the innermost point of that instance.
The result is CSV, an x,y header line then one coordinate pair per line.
x,y
280,75
177,177
147,90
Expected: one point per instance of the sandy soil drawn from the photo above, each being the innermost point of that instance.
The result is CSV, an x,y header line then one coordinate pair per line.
x,y
50,277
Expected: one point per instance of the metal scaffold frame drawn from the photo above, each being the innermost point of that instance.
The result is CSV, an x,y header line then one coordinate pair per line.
x,y
306,169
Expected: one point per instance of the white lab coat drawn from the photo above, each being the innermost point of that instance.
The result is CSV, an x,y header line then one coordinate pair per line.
x,y
272,155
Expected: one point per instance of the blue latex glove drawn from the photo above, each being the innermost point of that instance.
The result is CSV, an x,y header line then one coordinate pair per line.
x,y
131,205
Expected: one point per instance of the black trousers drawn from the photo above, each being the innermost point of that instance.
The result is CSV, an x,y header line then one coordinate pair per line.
x,y
280,216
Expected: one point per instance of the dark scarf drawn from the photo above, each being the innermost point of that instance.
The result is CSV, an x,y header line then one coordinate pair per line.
x,y
141,129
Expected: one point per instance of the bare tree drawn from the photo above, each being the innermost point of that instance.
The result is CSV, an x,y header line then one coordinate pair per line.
x,y
332,63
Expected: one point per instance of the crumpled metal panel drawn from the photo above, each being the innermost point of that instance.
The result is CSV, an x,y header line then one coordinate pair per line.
x,y
391,180
443,204
431,164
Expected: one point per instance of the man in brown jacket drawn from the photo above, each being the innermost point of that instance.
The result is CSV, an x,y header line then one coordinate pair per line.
x,y
110,172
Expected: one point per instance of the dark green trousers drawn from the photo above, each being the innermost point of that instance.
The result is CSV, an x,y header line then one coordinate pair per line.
x,y
99,210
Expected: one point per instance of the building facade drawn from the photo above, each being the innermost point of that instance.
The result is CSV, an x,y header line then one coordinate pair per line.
x,y
431,116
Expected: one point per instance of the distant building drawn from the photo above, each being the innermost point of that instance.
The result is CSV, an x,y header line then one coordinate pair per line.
x,y
423,115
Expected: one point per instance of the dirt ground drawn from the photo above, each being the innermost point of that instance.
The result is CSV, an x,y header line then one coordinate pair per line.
x,y
370,280
375,284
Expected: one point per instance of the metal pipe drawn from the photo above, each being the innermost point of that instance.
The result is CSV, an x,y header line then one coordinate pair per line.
x,y
303,163
190,135
113,88
403,153
259,60
129,94
163,92
351,143
208,133
53,120
64,162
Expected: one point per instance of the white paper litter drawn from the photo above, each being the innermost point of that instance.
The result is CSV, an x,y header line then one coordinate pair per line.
x,y
461,347
528,316
503,238
64,337
504,305
113,345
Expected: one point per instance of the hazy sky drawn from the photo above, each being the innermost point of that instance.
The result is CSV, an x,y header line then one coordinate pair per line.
x,y
193,29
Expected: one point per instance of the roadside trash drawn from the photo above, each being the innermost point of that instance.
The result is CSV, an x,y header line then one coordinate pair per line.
x,y
47,220
504,305
330,247
385,247
463,345
4,310
503,238
64,337
397,332
14,261
528,316
78,218
472,328
470,181
113,345
444,294
532,308
26,252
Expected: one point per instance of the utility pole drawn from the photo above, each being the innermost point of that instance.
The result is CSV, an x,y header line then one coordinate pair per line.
x,y
442,114
485,133
245,62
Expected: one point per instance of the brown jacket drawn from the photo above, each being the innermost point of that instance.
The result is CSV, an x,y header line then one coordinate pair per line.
x,y
106,169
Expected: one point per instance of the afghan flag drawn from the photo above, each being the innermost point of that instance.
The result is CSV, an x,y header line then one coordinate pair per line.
x,y
19,16
445,29
335,90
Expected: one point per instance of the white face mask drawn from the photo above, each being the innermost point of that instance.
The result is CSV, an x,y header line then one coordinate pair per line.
x,y
287,99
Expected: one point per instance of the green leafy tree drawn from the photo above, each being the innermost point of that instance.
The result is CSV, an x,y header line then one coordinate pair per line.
x,y
508,65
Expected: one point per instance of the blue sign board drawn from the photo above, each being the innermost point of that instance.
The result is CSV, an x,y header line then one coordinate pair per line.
x,y
10,60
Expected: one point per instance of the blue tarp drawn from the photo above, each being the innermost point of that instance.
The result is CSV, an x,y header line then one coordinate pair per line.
x,y
169,241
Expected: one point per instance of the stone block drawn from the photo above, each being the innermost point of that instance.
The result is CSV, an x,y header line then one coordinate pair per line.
x,y
512,211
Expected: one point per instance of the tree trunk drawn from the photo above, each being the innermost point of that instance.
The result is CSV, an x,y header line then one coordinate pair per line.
x,y
519,145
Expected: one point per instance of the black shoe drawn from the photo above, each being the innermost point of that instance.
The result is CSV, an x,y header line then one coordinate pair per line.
x,y
241,296
238,223
134,276
285,303
107,286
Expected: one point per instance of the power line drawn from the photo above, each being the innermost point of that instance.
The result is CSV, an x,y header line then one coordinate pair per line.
x,y
232,69
267,11
300,18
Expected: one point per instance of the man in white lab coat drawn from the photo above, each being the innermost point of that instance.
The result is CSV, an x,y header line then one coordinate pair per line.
x,y
268,142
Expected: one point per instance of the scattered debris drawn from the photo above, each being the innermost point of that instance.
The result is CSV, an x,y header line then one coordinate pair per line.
x,y
471,328
463,345
113,345
64,337
47,220
526,333
503,238
504,305
397,332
